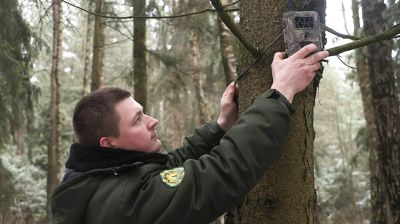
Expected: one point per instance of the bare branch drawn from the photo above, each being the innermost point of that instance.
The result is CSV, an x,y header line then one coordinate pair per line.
x,y
143,17
332,31
41,17
233,3
388,34
233,28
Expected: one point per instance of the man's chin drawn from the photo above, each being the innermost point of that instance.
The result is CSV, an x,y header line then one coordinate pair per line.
x,y
157,147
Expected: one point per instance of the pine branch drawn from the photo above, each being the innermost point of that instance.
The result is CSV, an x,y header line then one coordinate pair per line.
x,y
233,28
388,34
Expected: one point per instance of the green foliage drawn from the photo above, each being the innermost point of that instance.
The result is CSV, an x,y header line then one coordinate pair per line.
x,y
29,187
6,192
17,93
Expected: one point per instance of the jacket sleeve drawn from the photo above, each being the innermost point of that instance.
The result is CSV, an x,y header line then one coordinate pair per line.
x,y
216,181
199,143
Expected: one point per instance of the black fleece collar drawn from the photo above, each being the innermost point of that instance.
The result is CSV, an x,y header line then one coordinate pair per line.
x,y
83,158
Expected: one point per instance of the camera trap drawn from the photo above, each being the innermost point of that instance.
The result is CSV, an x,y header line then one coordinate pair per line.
x,y
301,28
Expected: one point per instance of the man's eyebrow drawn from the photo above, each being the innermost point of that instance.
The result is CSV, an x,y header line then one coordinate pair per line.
x,y
138,113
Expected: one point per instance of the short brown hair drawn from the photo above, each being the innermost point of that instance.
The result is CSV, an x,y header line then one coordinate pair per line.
x,y
95,116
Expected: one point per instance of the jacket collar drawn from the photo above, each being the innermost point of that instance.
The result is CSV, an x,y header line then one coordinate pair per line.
x,y
83,158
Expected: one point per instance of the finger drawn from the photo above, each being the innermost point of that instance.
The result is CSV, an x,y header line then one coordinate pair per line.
x,y
314,58
227,89
316,66
303,52
278,56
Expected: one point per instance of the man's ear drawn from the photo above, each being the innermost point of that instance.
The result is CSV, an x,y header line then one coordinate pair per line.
x,y
105,142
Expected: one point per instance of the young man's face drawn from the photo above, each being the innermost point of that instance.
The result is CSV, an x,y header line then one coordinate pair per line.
x,y
136,130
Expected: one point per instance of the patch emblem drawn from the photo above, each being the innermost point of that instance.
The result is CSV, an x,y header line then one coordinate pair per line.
x,y
173,177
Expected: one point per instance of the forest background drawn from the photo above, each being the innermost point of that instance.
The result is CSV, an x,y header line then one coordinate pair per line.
x,y
186,61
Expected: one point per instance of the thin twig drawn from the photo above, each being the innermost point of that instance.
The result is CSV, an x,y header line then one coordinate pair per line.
x,y
332,31
41,17
266,49
233,3
388,34
341,60
129,36
144,17
116,42
233,28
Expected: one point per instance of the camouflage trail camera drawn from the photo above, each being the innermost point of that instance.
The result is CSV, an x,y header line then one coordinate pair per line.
x,y
301,28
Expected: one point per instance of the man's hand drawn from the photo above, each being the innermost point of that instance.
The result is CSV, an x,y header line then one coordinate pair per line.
x,y
229,110
293,74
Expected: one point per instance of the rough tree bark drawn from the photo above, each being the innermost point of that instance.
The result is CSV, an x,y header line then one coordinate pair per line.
x,y
139,54
55,121
286,193
98,48
385,158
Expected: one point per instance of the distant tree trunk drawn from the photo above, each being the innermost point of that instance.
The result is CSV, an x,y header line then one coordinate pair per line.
x,y
385,190
86,51
196,77
377,202
139,54
55,130
16,137
98,48
227,50
286,193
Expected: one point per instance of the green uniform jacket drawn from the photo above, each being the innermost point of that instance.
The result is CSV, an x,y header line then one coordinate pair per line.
x,y
208,175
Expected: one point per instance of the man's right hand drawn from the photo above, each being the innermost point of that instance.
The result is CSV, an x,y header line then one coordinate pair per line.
x,y
293,74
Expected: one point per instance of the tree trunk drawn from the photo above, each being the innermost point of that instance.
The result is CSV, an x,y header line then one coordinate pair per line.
x,y
286,193
16,138
385,158
86,53
139,54
55,123
377,202
227,50
98,48
197,81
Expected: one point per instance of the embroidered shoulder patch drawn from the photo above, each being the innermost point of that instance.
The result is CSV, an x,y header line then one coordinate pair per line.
x,y
173,177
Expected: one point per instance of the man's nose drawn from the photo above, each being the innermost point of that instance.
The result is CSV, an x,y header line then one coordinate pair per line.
x,y
152,122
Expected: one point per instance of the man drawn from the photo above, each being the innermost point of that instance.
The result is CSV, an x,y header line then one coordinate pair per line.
x,y
116,175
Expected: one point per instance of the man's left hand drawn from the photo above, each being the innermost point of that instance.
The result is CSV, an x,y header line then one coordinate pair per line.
x,y
229,110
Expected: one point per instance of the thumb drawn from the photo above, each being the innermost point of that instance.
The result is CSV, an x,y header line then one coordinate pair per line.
x,y
279,56
231,90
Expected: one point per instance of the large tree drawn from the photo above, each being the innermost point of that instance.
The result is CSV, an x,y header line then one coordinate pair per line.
x,y
53,153
286,193
16,90
385,156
